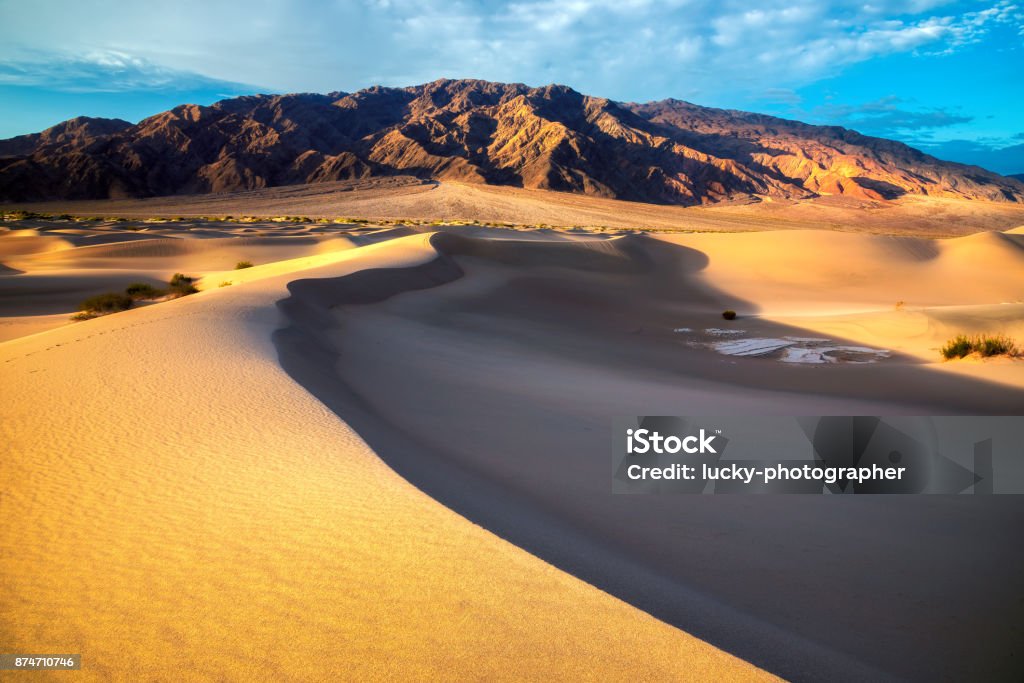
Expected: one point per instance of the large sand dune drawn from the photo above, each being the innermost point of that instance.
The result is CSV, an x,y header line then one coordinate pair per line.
x,y
489,375
175,507
195,512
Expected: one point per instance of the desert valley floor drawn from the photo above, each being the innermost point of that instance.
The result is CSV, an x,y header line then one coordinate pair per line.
x,y
396,422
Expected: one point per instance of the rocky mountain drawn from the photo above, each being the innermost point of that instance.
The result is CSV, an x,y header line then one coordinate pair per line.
x,y
480,132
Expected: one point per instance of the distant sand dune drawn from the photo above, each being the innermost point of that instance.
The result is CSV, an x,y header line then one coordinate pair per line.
x,y
404,198
42,275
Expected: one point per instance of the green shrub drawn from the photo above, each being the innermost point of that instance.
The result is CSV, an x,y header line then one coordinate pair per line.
x,y
243,264
141,290
181,285
729,314
986,346
111,302
998,345
957,347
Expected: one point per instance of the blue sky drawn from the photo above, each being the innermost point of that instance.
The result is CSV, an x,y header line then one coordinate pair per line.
x,y
946,77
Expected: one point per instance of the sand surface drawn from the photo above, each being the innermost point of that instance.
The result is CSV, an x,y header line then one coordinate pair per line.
x,y
176,507
532,347
220,487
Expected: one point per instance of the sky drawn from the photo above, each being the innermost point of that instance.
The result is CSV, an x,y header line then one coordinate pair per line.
x,y
945,77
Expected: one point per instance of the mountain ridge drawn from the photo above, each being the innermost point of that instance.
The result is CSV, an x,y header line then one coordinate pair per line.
x,y
551,137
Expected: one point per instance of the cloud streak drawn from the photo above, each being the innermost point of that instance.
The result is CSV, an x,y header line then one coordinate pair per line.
x,y
627,49
886,118
105,71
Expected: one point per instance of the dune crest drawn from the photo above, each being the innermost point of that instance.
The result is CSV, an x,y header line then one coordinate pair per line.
x,y
225,523
439,365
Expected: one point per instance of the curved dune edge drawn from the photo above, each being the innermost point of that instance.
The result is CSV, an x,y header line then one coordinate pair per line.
x,y
316,339
175,507
309,355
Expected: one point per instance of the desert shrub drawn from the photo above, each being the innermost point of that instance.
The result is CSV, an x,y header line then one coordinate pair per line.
x,y
181,285
962,346
997,345
957,347
729,314
226,283
110,302
142,290
243,264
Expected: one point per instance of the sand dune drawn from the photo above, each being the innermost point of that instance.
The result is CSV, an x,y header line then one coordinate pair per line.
x,y
206,510
198,514
561,337
906,294
46,272
219,253
800,271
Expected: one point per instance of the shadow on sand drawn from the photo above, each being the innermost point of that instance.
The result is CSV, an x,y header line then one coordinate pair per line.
x,y
451,383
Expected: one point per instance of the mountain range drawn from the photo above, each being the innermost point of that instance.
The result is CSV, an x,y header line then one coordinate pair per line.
x,y
552,137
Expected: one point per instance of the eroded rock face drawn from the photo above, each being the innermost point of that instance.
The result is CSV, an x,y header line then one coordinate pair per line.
x,y
475,131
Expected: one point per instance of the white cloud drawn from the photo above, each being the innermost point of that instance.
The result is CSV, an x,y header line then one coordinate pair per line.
x,y
626,49
102,71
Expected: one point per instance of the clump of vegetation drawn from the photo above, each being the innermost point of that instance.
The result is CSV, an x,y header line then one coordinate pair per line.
x,y
729,314
181,285
957,347
112,302
101,304
243,264
142,290
986,346
997,345
22,215
226,283
899,305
